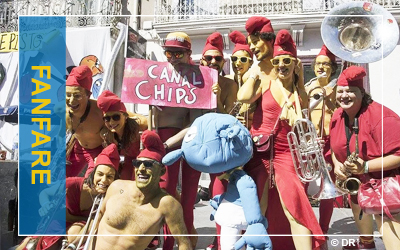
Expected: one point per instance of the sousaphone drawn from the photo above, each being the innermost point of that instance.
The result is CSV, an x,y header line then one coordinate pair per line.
x,y
360,32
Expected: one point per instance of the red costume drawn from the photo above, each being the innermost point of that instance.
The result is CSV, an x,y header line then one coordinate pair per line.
x,y
190,180
373,119
80,157
287,182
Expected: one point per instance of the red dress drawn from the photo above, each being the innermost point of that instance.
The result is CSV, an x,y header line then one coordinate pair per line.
x,y
288,183
379,127
130,154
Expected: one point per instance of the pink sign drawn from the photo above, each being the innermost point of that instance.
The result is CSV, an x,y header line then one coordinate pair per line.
x,y
161,84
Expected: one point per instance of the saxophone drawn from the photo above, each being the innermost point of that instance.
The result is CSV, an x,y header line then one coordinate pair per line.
x,y
351,184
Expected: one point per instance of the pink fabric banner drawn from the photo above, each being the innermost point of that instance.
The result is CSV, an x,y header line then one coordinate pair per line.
x,y
161,84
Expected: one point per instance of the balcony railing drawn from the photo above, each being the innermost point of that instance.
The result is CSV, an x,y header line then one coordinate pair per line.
x,y
172,11
10,10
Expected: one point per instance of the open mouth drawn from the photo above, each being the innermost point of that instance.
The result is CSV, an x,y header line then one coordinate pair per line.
x,y
142,178
283,70
101,186
113,128
73,107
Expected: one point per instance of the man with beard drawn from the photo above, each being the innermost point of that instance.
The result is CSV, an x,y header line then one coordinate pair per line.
x,y
84,121
140,207
213,57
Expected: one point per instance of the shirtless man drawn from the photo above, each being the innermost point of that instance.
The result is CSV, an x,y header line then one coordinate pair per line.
x,y
83,119
213,57
140,207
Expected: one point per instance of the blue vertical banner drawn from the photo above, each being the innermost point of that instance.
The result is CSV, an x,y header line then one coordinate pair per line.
x,y
42,70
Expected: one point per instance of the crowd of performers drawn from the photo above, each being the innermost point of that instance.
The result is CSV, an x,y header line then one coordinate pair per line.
x,y
268,81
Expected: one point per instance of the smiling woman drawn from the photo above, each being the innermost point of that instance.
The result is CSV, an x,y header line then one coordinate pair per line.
x,y
120,130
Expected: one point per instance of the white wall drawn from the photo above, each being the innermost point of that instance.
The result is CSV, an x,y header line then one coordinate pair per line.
x,y
384,80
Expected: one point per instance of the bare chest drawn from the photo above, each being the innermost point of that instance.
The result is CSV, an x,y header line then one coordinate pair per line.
x,y
124,215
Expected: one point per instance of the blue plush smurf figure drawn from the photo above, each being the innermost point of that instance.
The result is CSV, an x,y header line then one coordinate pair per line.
x,y
219,143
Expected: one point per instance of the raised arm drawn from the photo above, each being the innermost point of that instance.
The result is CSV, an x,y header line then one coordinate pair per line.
x,y
251,89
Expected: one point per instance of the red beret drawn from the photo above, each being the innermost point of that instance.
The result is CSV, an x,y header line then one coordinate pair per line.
x,y
240,42
80,76
258,24
108,101
153,146
178,40
326,52
214,42
284,44
352,76
109,156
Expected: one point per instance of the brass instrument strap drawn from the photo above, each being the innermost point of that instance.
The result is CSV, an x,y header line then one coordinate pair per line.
x,y
350,133
83,117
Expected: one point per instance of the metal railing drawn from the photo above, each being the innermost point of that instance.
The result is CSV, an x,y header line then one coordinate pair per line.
x,y
10,10
173,11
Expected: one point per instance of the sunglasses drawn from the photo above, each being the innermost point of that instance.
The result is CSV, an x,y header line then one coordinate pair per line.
x,y
146,163
176,54
242,59
115,117
216,58
286,61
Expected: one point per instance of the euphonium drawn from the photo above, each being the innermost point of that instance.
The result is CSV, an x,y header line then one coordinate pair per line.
x,y
307,153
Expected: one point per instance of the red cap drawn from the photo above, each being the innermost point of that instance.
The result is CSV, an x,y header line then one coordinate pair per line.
x,y
326,52
108,101
153,146
284,44
214,42
109,156
178,40
258,24
80,76
240,42
352,76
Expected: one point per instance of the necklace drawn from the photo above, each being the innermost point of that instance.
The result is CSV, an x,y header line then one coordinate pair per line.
x,y
83,117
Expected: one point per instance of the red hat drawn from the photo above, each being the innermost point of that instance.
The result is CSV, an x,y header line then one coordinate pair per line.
x,y
284,44
108,101
80,76
258,24
153,146
214,42
352,76
178,40
109,156
326,52
240,42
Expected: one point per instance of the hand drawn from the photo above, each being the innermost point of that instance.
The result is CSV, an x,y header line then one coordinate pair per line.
x,y
340,172
252,241
45,208
355,167
214,202
216,89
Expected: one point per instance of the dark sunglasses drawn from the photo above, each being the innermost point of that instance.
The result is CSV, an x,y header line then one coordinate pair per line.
x,y
286,61
242,59
115,117
209,58
146,163
176,54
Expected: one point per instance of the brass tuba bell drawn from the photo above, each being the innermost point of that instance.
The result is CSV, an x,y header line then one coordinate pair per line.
x,y
360,32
